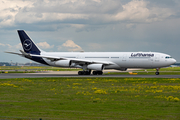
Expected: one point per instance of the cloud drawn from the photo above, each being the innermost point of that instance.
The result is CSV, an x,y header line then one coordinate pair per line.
x,y
6,45
11,47
137,11
134,10
2,44
131,25
45,45
18,46
95,46
80,14
69,45
8,11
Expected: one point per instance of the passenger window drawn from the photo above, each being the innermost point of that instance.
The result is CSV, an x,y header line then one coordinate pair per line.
x,y
168,57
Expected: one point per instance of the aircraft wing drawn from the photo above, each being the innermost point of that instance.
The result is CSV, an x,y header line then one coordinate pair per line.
x,y
54,58
80,61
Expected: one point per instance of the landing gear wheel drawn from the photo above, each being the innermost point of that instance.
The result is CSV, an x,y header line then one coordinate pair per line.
x,y
80,73
84,72
157,73
94,72
97,72
100,72
87,73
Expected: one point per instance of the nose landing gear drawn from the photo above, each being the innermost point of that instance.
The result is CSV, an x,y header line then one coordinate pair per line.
x,y
157,71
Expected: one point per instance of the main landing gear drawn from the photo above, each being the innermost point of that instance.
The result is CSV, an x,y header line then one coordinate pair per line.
x,y
97,72
89,72
157,71
84,72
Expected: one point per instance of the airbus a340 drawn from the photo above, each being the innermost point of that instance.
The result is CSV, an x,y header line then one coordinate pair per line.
x,y
96,61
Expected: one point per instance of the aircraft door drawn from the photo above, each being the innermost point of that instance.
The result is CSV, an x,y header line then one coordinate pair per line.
x,y
151,61
157,57
124,58
80,56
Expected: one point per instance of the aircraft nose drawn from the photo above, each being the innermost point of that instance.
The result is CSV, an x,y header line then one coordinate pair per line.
x,y
173,61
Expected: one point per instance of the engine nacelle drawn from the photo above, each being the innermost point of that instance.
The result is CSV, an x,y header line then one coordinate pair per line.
x,y
98,67
63,63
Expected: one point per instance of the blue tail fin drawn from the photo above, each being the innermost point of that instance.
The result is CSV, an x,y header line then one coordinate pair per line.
x,y
28,45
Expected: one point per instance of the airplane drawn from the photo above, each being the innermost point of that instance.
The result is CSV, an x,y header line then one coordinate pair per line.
x,y
96,61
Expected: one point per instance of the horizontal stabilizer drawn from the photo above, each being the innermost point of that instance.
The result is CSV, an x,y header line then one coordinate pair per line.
x,y
14,53
24,53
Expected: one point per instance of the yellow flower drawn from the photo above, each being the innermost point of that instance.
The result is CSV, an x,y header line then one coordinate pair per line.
x,y
137,96
176,99
77,84
100,92
171,98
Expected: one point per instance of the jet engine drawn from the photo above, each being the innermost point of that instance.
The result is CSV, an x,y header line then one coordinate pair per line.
x,y
98,67
63,63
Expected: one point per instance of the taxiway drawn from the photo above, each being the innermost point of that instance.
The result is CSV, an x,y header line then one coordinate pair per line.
x,y
74,74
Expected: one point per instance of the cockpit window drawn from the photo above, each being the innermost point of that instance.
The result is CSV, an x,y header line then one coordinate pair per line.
x,y
167,57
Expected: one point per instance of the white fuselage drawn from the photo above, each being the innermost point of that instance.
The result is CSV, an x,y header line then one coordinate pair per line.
x,y
119,59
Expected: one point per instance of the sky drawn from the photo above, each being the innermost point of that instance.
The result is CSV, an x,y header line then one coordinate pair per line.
x,y
91,26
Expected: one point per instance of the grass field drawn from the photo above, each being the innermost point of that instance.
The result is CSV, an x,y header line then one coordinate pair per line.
x,y
163,71
143,73
90,98
36,68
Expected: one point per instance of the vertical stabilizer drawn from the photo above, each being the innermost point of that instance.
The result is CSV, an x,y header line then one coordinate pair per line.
x,y
28,45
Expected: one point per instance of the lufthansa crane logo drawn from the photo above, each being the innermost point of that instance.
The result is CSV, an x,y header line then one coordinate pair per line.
x,y
27,44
